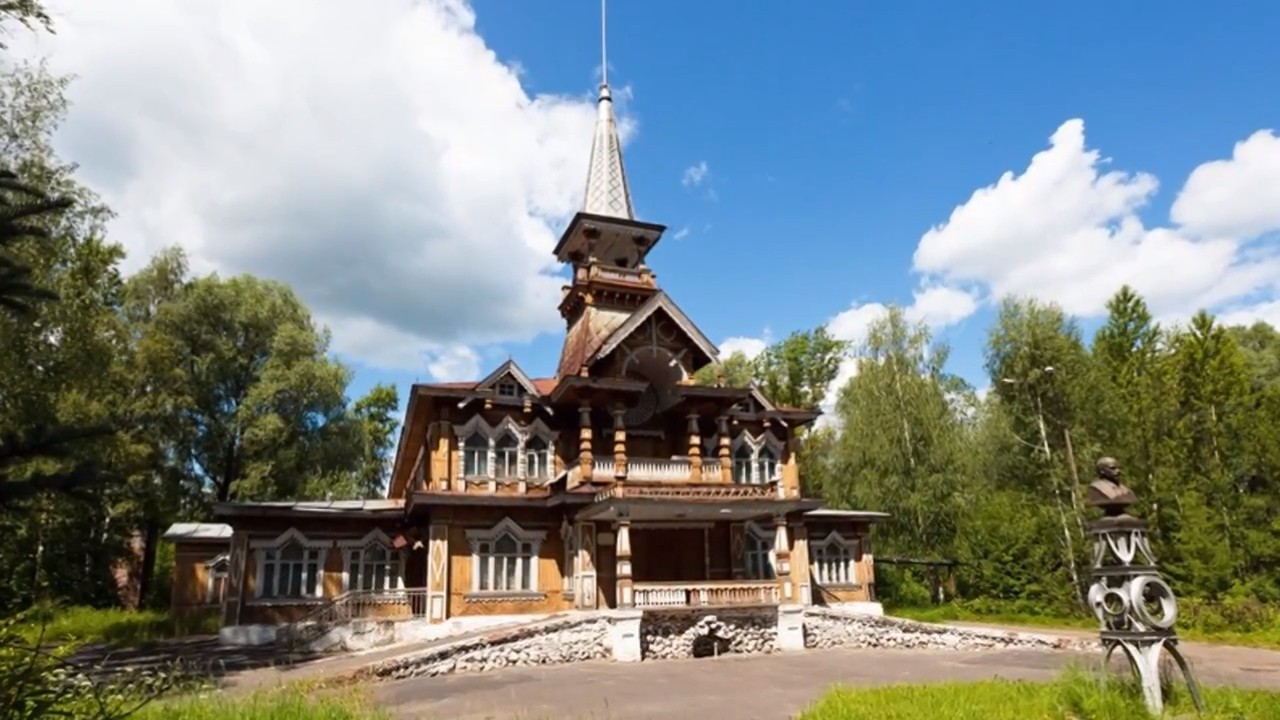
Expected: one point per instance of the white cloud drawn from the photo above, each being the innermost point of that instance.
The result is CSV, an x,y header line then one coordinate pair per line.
x,y
749,346
453,362
383,162
695,174
1068,232
1267,312
1237,198
682,233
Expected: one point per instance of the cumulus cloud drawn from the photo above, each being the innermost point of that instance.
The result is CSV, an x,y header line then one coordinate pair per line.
x,y
1066,230
385,162
749,346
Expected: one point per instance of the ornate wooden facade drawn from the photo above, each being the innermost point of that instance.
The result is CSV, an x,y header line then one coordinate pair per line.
x,y
616,483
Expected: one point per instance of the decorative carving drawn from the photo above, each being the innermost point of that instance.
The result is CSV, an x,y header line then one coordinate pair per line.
x,y
619,442
584,440
695,449
1135,607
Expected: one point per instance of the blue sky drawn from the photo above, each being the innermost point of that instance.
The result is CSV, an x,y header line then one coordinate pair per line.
x,y
833,135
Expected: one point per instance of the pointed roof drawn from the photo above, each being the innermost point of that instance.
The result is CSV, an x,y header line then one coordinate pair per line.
x,y
607,193
660,301
509,368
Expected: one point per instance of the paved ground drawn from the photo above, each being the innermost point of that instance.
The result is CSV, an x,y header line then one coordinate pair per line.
x,y
762,687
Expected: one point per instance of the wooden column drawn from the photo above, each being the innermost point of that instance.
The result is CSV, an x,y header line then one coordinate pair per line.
x,y
619,443
790,484
626,596
440,456
723,449
233,595
800,565
438,572
782,557
585,459
695,449
584,590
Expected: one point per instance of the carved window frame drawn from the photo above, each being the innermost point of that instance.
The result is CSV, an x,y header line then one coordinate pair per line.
x,y
477,426
482,544
314,552
838,571
756,443
353,552
216,572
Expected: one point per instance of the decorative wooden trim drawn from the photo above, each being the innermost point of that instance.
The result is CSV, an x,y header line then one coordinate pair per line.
x,y
437,572
496,596
585,578
491,535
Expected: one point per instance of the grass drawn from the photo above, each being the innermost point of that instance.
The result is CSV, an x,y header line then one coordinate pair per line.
x,y
1074,697
283,704
113,626
1247,626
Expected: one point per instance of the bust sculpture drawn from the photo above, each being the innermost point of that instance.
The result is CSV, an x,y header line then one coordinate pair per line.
x,y
1107,492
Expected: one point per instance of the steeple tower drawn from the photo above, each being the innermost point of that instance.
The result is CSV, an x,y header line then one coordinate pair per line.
x,y
604,243
607,192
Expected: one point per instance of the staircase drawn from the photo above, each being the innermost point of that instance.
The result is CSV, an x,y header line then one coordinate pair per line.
x,y
384,605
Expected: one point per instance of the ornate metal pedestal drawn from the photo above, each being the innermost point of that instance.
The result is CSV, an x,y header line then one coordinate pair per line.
x,y
1134,605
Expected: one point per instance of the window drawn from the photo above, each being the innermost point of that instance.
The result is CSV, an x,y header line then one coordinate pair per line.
x,y
504,559
215,588
507,388
475,455
290,571
742,464
537,458
373,567
767,463
758,550
506,453
833,561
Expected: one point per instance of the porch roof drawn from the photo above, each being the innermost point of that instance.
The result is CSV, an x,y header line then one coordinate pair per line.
x,y
706,501
832,514
312,508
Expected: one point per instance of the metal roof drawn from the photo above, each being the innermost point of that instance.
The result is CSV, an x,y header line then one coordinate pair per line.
x,y
198,531
831,514
311,507
607,192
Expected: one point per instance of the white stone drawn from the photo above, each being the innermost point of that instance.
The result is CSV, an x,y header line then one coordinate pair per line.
x,y
790,627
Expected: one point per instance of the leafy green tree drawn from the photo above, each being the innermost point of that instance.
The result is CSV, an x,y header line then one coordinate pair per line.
x,y
902,446
797,371
737,370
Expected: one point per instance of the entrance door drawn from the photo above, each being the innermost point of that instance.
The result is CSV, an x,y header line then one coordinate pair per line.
x,y
673,554
607,571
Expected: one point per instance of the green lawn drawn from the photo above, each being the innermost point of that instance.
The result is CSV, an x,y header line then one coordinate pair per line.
x,y
82,625
1075,697
1257,628
283,704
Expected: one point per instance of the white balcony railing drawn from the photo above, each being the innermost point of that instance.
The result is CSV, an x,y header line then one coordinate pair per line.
x,y
706,594
656,469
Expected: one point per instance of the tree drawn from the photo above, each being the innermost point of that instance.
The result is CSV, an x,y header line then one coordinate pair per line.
x,y
902,447
737,370
797,371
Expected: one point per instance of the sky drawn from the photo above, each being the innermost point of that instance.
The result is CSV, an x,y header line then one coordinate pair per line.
x,y
408,166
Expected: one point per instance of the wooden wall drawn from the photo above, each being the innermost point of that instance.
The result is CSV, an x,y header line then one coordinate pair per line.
x,y
864,570
191,575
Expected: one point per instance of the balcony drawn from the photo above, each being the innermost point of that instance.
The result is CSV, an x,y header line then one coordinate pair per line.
x,y
649,470
728,593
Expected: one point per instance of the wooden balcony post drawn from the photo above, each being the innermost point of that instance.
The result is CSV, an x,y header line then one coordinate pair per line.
x,y
622,544
584,442
619,443
695,450
800,565
723,449
437,572
782,557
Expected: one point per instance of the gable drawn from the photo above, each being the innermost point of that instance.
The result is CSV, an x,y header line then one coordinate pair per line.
x,y
508,381
658,329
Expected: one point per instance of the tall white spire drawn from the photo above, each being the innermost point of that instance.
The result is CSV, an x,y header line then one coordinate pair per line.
x,y
607,192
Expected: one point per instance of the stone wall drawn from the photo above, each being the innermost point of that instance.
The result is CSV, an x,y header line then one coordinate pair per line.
x,y
559,640
825,628
684,634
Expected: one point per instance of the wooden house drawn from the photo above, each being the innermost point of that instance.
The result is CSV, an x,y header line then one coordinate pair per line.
x,y
617,483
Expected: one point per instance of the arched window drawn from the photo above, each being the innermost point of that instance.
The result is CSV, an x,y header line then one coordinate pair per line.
x,y
537,458
290,571
767,463
758,553
505,558
833,561
742,462
475,456
373,567
506,454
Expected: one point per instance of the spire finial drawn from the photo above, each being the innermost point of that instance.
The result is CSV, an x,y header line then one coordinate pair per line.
x,y
604,48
